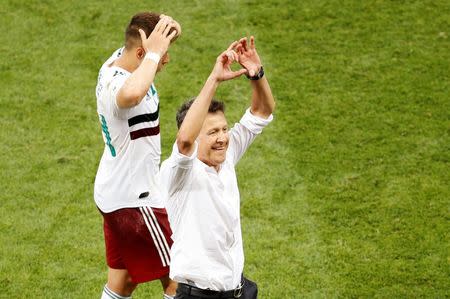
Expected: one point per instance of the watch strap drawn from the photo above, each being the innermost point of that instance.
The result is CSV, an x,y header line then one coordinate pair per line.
x,y
258,76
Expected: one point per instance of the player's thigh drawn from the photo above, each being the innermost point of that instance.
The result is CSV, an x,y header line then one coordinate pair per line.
x,y
145,242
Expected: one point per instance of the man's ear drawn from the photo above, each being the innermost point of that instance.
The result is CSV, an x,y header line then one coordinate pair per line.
x,y
140,52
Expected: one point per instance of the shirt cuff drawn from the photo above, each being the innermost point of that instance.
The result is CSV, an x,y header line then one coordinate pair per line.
x,y
183,160
253,123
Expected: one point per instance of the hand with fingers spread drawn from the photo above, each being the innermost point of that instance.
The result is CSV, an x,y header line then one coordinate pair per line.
x,y
248,57
175,25
160,38
222,69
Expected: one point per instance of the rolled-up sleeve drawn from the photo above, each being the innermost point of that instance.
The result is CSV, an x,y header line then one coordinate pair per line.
x,y
253,123
176,169
181,160
244,132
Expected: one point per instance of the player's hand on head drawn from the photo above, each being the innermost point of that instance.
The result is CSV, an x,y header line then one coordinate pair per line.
x,y
174,24
222,69
247,55
161,36
177,28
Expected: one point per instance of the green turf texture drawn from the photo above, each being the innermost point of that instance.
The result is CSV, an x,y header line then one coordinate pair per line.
x,y
345,195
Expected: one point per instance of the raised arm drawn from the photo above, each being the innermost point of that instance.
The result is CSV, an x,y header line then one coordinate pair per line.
x,y
192,123
155,46
263,102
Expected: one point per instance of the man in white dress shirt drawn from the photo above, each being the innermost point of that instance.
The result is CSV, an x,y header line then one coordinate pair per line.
x,y
203,205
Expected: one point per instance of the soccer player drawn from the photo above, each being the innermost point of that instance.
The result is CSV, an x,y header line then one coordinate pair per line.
x,y
199,176
127,187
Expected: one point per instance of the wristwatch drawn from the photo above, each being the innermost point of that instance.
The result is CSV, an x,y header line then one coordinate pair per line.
x,y
258,76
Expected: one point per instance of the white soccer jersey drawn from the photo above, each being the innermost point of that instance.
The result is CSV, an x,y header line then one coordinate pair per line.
x,y
128,173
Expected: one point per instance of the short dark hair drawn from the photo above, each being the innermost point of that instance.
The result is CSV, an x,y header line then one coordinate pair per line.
x,y
215,106
143,20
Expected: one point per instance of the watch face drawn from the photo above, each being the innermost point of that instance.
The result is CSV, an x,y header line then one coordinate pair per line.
x,y
257,76
261,73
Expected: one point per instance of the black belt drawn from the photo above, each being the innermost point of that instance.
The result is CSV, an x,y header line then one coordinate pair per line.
x,y
202,293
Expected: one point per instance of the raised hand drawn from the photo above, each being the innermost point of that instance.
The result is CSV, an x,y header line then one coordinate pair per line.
x,y
222,69
175,25
161,36
247,56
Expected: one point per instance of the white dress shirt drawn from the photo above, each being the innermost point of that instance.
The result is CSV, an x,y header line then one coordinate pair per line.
x,y
204,212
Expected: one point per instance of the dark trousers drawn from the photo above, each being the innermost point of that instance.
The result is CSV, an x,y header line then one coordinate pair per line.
x,y
184,296
249,291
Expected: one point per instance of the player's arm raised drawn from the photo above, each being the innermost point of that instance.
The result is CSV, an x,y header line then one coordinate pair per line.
x,y
155,46
263,102
192,124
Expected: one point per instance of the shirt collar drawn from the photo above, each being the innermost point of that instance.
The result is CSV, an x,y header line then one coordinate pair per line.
x,y
210,168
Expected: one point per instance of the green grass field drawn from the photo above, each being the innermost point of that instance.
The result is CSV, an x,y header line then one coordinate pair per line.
x,y
345,195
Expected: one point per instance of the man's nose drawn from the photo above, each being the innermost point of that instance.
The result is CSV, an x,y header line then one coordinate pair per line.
x,y
222,137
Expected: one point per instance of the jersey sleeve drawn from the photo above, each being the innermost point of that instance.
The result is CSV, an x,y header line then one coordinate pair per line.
x,y
176,170
243,133
117,81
